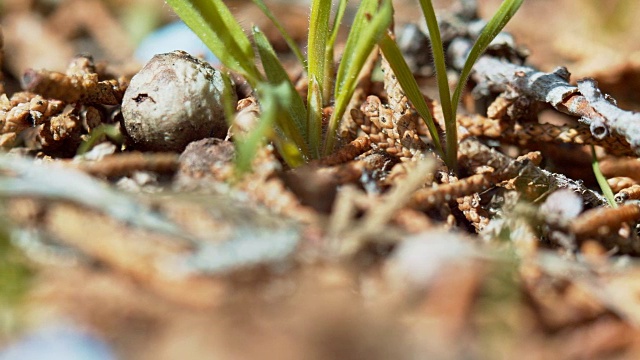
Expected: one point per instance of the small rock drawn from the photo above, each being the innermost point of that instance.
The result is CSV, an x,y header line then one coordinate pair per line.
x,y
206,159
173,100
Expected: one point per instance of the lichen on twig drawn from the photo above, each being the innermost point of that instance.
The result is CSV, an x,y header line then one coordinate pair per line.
x,y
596,111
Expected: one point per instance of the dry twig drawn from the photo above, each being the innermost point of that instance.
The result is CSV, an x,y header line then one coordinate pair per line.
x,y
598,112
604,221
534,133
126,163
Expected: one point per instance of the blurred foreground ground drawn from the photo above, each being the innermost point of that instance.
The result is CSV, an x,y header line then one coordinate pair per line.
x,y
457,300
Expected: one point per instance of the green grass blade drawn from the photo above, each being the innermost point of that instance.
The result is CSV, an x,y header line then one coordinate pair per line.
x,y
229,98
285,35
314,105
274,124
291,146
212,21
337,20
602,181
361,23
439,60
285,123
405,77
289,152
329,57
369,25
247,145
276,74
110,131
318,36
502,16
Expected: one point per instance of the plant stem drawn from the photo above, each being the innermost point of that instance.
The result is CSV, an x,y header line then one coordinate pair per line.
x,y
439,60
602,181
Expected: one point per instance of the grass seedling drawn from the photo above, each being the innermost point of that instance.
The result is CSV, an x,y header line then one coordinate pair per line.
x,y
285,35
299,132
449,104
602,181
368,26
296,128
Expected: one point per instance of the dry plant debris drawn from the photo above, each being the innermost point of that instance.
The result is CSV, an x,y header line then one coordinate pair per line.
x,y
377,250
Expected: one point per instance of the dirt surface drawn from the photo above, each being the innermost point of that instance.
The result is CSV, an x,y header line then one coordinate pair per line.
x,y
377,251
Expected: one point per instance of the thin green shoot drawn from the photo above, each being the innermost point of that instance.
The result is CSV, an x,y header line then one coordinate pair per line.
x,y
337,20
408,83
503,15
288,142
442,79
602,181
329,55
274,124
112,132
316,47
247,145
276,74
229,100
285,35
319,32
212,21
314,109
368,27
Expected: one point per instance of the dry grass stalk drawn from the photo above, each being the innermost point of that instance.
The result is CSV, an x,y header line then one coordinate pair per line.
x,y
347,240
431,197
346,153
604,221
123,164
533,133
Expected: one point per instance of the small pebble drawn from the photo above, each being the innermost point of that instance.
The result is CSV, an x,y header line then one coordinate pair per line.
x,y
173,100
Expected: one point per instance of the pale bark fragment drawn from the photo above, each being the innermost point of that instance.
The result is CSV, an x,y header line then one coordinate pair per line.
x,y
585,101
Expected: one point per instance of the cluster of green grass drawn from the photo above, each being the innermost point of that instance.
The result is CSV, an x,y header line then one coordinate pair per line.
x,y
295,126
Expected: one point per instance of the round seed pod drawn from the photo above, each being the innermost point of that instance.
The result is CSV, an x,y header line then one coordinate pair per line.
x,y
173,100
